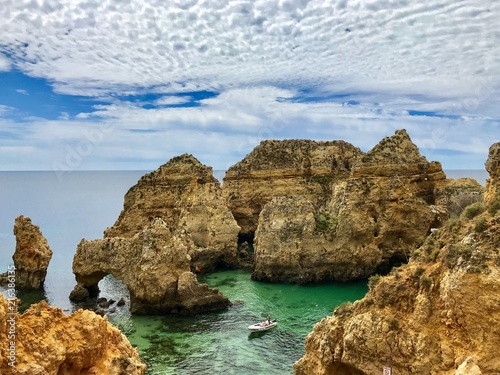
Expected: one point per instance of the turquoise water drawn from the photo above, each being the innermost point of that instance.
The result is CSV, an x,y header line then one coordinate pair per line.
x,y
82,204
221,342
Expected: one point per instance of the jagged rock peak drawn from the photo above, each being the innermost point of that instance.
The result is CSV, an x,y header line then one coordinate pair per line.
x,y
184,166
297,154
397,149
186,195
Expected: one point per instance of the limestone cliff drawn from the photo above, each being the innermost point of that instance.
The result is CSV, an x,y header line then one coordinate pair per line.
x,y
437,315
373,218
32,254
186,196
492,195
285,168
44,340
155,266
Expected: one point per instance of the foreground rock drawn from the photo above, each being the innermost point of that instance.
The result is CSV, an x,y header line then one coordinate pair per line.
x,y
373,219
437,315
285,168
186,196
32,255
46,341
155,266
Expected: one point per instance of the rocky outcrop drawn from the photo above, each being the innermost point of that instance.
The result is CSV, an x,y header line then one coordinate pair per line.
x,y
285,168
186,196
437,315
32,255
492,195
43,340
155,266
460,193
374,218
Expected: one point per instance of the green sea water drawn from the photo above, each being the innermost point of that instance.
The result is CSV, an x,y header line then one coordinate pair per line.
x,y
221,342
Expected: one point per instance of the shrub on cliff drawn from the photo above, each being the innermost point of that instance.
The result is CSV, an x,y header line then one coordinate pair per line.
x,y
473,210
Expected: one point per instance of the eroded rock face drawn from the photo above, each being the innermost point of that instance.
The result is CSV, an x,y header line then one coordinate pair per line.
x,y
373,219
32,254
460,193
285,168
186,196
155,266
49,342
492,194
437,315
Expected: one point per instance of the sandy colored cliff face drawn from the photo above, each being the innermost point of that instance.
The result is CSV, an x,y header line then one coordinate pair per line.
x,y
32,254
155,266
285,168
374,217
173,220
437,315
46,341
186,196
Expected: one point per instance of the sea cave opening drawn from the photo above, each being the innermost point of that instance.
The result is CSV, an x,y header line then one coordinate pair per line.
x,y
394,261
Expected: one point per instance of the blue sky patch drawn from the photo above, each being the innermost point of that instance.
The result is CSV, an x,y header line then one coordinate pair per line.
x,y
432,114
34,97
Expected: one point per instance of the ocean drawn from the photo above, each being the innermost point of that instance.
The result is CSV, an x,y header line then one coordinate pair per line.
x,y
82,204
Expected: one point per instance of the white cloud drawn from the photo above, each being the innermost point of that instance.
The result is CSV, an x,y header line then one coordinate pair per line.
x,y
390,56
172,100
219,44
4,63
223,130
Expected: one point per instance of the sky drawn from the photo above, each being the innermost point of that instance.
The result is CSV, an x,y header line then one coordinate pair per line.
x,y
127,85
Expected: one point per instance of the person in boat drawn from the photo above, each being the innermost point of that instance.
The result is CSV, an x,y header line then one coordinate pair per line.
x,y
269,320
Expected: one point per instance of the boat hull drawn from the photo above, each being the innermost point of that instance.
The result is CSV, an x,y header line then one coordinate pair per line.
x,y
258,327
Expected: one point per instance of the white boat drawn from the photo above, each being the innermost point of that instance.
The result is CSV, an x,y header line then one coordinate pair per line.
x,y
264,326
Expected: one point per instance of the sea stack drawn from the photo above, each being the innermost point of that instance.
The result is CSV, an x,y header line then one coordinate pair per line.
x,y
174,221
188,198
372,218
285,169
32,254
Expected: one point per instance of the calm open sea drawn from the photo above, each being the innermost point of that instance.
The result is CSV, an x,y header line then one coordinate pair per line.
x,y
78,205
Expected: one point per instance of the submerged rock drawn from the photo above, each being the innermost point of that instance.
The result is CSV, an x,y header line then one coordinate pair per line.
x,y
186,196
32,255
374,218
436,315
155,266
46,341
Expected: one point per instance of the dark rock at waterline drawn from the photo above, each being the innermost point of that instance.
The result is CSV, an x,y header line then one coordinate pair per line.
x,y
101,299
103,304
79,293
